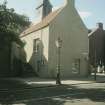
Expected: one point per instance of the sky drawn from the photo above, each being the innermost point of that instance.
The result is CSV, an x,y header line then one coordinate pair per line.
x,y
91,11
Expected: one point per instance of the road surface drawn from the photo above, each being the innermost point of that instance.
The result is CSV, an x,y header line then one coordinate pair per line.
x,y
80,94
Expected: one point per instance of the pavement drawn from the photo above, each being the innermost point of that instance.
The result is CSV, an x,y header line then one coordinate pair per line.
x,y
74,91
51,82
77,94
43,82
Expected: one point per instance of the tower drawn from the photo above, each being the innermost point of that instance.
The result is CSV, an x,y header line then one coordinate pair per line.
x,y
44,8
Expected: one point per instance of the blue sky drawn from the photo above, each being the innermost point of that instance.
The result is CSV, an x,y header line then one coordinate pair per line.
x,y
91,11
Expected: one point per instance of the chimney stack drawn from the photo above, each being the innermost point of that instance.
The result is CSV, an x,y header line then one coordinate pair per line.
x,y
44,8
68,2
99,25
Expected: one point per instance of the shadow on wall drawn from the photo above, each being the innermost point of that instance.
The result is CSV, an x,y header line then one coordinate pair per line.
x,y
20,68
38,61
18,60
4,62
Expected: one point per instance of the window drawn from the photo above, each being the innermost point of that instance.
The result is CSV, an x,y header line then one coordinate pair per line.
x,y
36,45
76,66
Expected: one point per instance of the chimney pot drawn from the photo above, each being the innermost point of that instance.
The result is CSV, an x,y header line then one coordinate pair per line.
x,y
99,25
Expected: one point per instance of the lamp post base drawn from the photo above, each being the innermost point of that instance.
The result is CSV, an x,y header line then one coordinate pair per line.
x,y
58,81
95,74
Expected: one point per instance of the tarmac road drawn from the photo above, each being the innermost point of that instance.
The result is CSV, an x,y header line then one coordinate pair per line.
x,y
77,94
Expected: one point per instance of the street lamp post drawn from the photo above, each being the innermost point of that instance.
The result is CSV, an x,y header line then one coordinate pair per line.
x,y
95,75
59,46
95,59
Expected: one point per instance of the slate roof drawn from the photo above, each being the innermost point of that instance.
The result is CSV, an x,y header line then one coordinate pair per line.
x,y
45,22
92,31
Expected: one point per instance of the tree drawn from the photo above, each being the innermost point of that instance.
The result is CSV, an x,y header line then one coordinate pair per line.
x,y
9,20
11,24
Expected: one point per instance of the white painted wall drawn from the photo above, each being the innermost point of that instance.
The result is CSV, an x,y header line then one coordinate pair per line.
x,y
32,58
29,43
69,26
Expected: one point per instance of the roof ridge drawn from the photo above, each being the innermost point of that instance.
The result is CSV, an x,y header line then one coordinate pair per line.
x,y
48,19
93,30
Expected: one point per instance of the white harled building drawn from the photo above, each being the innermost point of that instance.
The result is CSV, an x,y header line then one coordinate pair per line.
x,y
41,50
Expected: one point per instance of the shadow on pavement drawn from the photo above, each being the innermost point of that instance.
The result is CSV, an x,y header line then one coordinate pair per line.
x,y
71,93
24,94
12,84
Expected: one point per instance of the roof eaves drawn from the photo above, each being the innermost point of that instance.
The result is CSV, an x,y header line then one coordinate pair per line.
x,y
92,32
41,24
23,35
